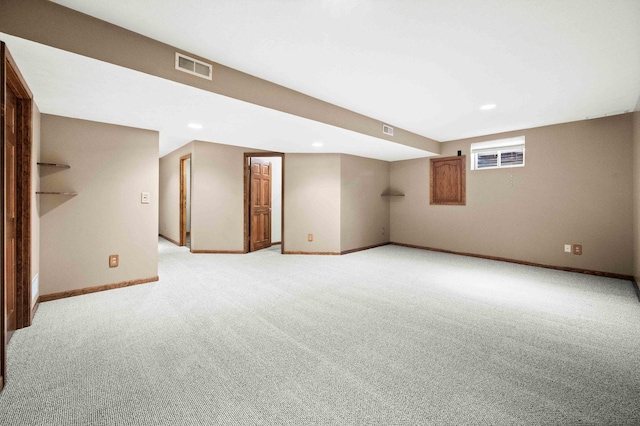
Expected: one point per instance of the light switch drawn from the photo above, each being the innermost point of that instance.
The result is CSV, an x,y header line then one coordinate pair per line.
x,y
145,197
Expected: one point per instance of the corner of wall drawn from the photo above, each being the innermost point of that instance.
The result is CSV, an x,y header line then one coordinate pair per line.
x,y
365,218
169,190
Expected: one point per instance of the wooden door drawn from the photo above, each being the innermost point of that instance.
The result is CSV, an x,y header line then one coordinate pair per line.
x,y
11,120
15,203
260,205
184,189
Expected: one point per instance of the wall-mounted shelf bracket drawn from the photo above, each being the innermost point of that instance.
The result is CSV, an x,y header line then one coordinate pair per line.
x,y
392,193
55,193
59,166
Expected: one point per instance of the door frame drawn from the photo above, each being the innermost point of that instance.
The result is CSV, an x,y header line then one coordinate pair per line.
x,y
254,244
10,77
247,195
183,198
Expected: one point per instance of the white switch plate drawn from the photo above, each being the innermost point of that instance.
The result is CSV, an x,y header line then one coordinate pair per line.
x,y
567,248
145,197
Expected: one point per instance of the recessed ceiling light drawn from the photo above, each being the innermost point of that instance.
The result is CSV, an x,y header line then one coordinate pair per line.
x,y
487,107
317,144
194,126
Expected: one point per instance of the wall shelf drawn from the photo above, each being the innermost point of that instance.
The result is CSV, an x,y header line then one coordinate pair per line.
x,y
55,193
392,194
56,166
59,166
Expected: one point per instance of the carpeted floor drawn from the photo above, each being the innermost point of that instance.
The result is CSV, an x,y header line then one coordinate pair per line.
x,y
388,336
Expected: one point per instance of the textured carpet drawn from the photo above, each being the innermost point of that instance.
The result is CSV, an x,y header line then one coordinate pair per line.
x,y
388,336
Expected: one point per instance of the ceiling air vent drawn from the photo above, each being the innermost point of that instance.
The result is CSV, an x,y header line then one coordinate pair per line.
x,y
193,66
387,130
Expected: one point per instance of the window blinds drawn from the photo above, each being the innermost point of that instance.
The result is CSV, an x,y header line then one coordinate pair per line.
x,y
498,153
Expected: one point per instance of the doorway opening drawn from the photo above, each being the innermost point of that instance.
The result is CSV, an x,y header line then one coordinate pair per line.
x,y
185,201
263,201
15,175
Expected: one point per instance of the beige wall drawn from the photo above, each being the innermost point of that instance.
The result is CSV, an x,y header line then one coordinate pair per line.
x,y
110,167
312,202
35,205
169,192
364,214
636,196
316,186
574,189
217,197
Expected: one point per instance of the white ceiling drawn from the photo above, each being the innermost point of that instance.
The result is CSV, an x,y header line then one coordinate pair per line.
x,y
425,66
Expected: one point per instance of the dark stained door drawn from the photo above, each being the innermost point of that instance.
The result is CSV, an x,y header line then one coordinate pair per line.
x,y
10,211
15,204
260,206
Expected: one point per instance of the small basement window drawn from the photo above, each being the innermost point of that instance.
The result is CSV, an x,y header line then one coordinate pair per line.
x,y
499,153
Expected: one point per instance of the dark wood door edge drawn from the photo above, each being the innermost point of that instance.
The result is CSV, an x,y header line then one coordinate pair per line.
x,y
13,79
10,77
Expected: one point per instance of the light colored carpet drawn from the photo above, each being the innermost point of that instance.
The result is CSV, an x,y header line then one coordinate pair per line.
x,y
388,336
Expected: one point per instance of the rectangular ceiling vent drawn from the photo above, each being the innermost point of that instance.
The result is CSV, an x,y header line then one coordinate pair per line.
x,y
193,66
387,130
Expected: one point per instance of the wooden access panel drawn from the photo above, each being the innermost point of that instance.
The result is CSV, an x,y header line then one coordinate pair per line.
x,y
448,181
260,205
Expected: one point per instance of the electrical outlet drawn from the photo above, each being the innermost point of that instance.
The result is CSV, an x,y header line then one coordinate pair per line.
x,y
310,237
114,260
145,197
567,248
577,249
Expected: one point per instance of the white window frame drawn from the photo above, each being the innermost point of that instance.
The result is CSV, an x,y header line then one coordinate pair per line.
x,y
498,146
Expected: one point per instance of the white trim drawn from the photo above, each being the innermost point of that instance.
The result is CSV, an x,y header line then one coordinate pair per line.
x,y
498,143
